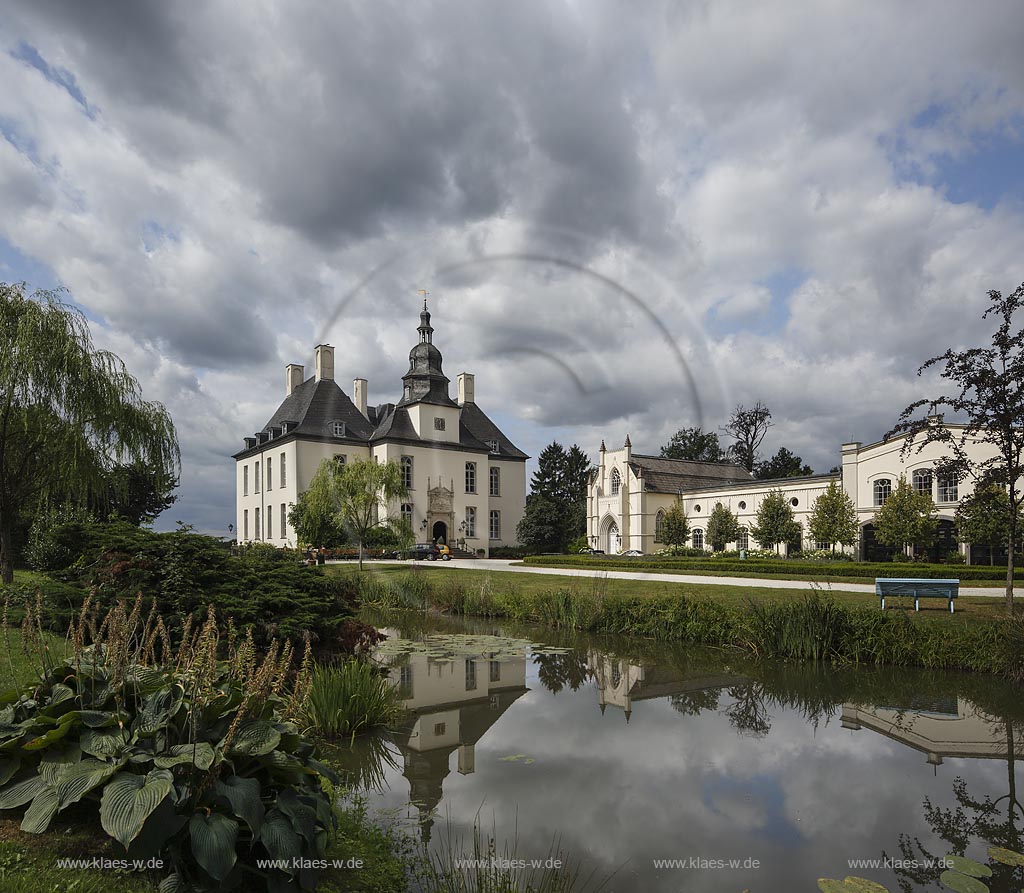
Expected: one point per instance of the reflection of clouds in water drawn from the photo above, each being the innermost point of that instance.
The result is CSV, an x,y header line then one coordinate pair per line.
x,y
667,785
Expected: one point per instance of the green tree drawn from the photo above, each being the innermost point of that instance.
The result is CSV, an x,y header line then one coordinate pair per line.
x,y
542,528
695,444
357,494
775,521
556,510
723,528
834,518
984,517
747,428
783,464
316,523
135,492
989,394
906,518
68,412
675,526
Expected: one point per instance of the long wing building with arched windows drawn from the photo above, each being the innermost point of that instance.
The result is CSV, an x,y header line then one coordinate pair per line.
x,y
630,492
466,480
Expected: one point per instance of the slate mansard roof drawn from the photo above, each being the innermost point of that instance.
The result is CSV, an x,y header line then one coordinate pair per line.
x,y
662,475
312,409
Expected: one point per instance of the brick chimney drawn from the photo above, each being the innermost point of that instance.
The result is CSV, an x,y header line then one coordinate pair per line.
x,y
324,362
359,388
466,384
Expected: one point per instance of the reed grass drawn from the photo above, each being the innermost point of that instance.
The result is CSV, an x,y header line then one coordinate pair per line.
x,y
349,698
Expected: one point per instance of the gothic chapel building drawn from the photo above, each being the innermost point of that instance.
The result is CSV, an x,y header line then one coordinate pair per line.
x,y
466,480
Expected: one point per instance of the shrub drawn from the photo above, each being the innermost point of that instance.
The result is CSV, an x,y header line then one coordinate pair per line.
x,y
257,585
349,698
51,542
187,758
956,557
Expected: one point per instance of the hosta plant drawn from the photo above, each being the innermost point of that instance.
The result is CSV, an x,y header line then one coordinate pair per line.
x,y
185,755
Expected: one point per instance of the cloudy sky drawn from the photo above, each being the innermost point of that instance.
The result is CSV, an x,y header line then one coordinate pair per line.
x,y
629,218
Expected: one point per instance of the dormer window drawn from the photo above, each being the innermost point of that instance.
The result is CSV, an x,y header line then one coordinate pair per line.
x,y
493,444
338,429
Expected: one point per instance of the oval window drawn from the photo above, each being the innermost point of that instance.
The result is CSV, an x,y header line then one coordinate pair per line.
x,y
794,501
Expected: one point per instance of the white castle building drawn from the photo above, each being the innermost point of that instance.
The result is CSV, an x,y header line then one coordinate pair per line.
x,y
629,494
466,480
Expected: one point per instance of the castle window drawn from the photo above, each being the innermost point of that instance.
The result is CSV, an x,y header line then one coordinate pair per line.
x,y
256,472
698,539
339,461
470,675
616,481
282,472
882,490
495,481
338,429
284,521
245,480
742,505
495,523
947,488
245,524
493,444
794,502
659,525
259,531
270,524
438,423
407,513
470,522
407,472
270,474
923,481
743,540
471,477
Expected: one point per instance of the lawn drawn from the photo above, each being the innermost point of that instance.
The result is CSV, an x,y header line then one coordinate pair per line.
x,y
967,609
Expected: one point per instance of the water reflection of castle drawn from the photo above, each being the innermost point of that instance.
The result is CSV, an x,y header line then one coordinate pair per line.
x,y
621,683
452,705
941,728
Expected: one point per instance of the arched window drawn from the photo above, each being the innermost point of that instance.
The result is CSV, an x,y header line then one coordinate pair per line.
x,y
947,488
659,525
883,489
406,463
407,513
698,539
616,481
743,540
471,477
922,479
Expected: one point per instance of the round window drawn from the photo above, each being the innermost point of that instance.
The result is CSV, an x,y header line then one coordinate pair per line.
x,y
743,505
696,508
794,501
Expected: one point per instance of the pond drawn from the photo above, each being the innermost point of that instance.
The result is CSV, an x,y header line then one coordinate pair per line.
x,y
666,768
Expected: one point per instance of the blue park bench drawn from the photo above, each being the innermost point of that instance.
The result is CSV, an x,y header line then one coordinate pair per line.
x,y
947,589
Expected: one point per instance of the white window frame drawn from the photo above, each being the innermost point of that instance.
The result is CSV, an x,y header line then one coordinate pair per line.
x,y
338,429
616,479
283,470
471,477
270,473
881,490
284,520
245,480
406,463
470,522
494,481
949,488
494,525
697,535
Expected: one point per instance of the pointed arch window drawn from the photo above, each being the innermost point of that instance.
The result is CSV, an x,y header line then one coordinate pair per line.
x,y
616,481
659,525
883,490
698,539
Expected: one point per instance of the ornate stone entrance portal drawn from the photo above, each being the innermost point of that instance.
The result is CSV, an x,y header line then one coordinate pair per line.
x,y
440,516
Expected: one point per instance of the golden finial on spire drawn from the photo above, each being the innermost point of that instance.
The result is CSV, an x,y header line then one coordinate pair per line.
x,y
423,292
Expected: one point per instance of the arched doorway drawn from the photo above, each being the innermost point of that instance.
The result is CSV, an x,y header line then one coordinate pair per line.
x,y
611,541
945,541
440,532
871,548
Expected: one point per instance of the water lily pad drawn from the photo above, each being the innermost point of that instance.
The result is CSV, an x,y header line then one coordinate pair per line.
x,y
1005,856
968,866
863,885
962,883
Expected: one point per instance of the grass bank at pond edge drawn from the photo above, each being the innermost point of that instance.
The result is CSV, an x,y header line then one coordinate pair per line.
x,y
813,627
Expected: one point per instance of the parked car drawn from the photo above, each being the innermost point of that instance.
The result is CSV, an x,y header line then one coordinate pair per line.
x,y
632,553
444,552
586,550
422,552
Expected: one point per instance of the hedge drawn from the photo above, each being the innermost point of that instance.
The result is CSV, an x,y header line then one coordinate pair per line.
x,y
779,568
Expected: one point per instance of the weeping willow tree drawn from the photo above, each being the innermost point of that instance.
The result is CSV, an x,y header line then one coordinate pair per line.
x,y
353,496
69,413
